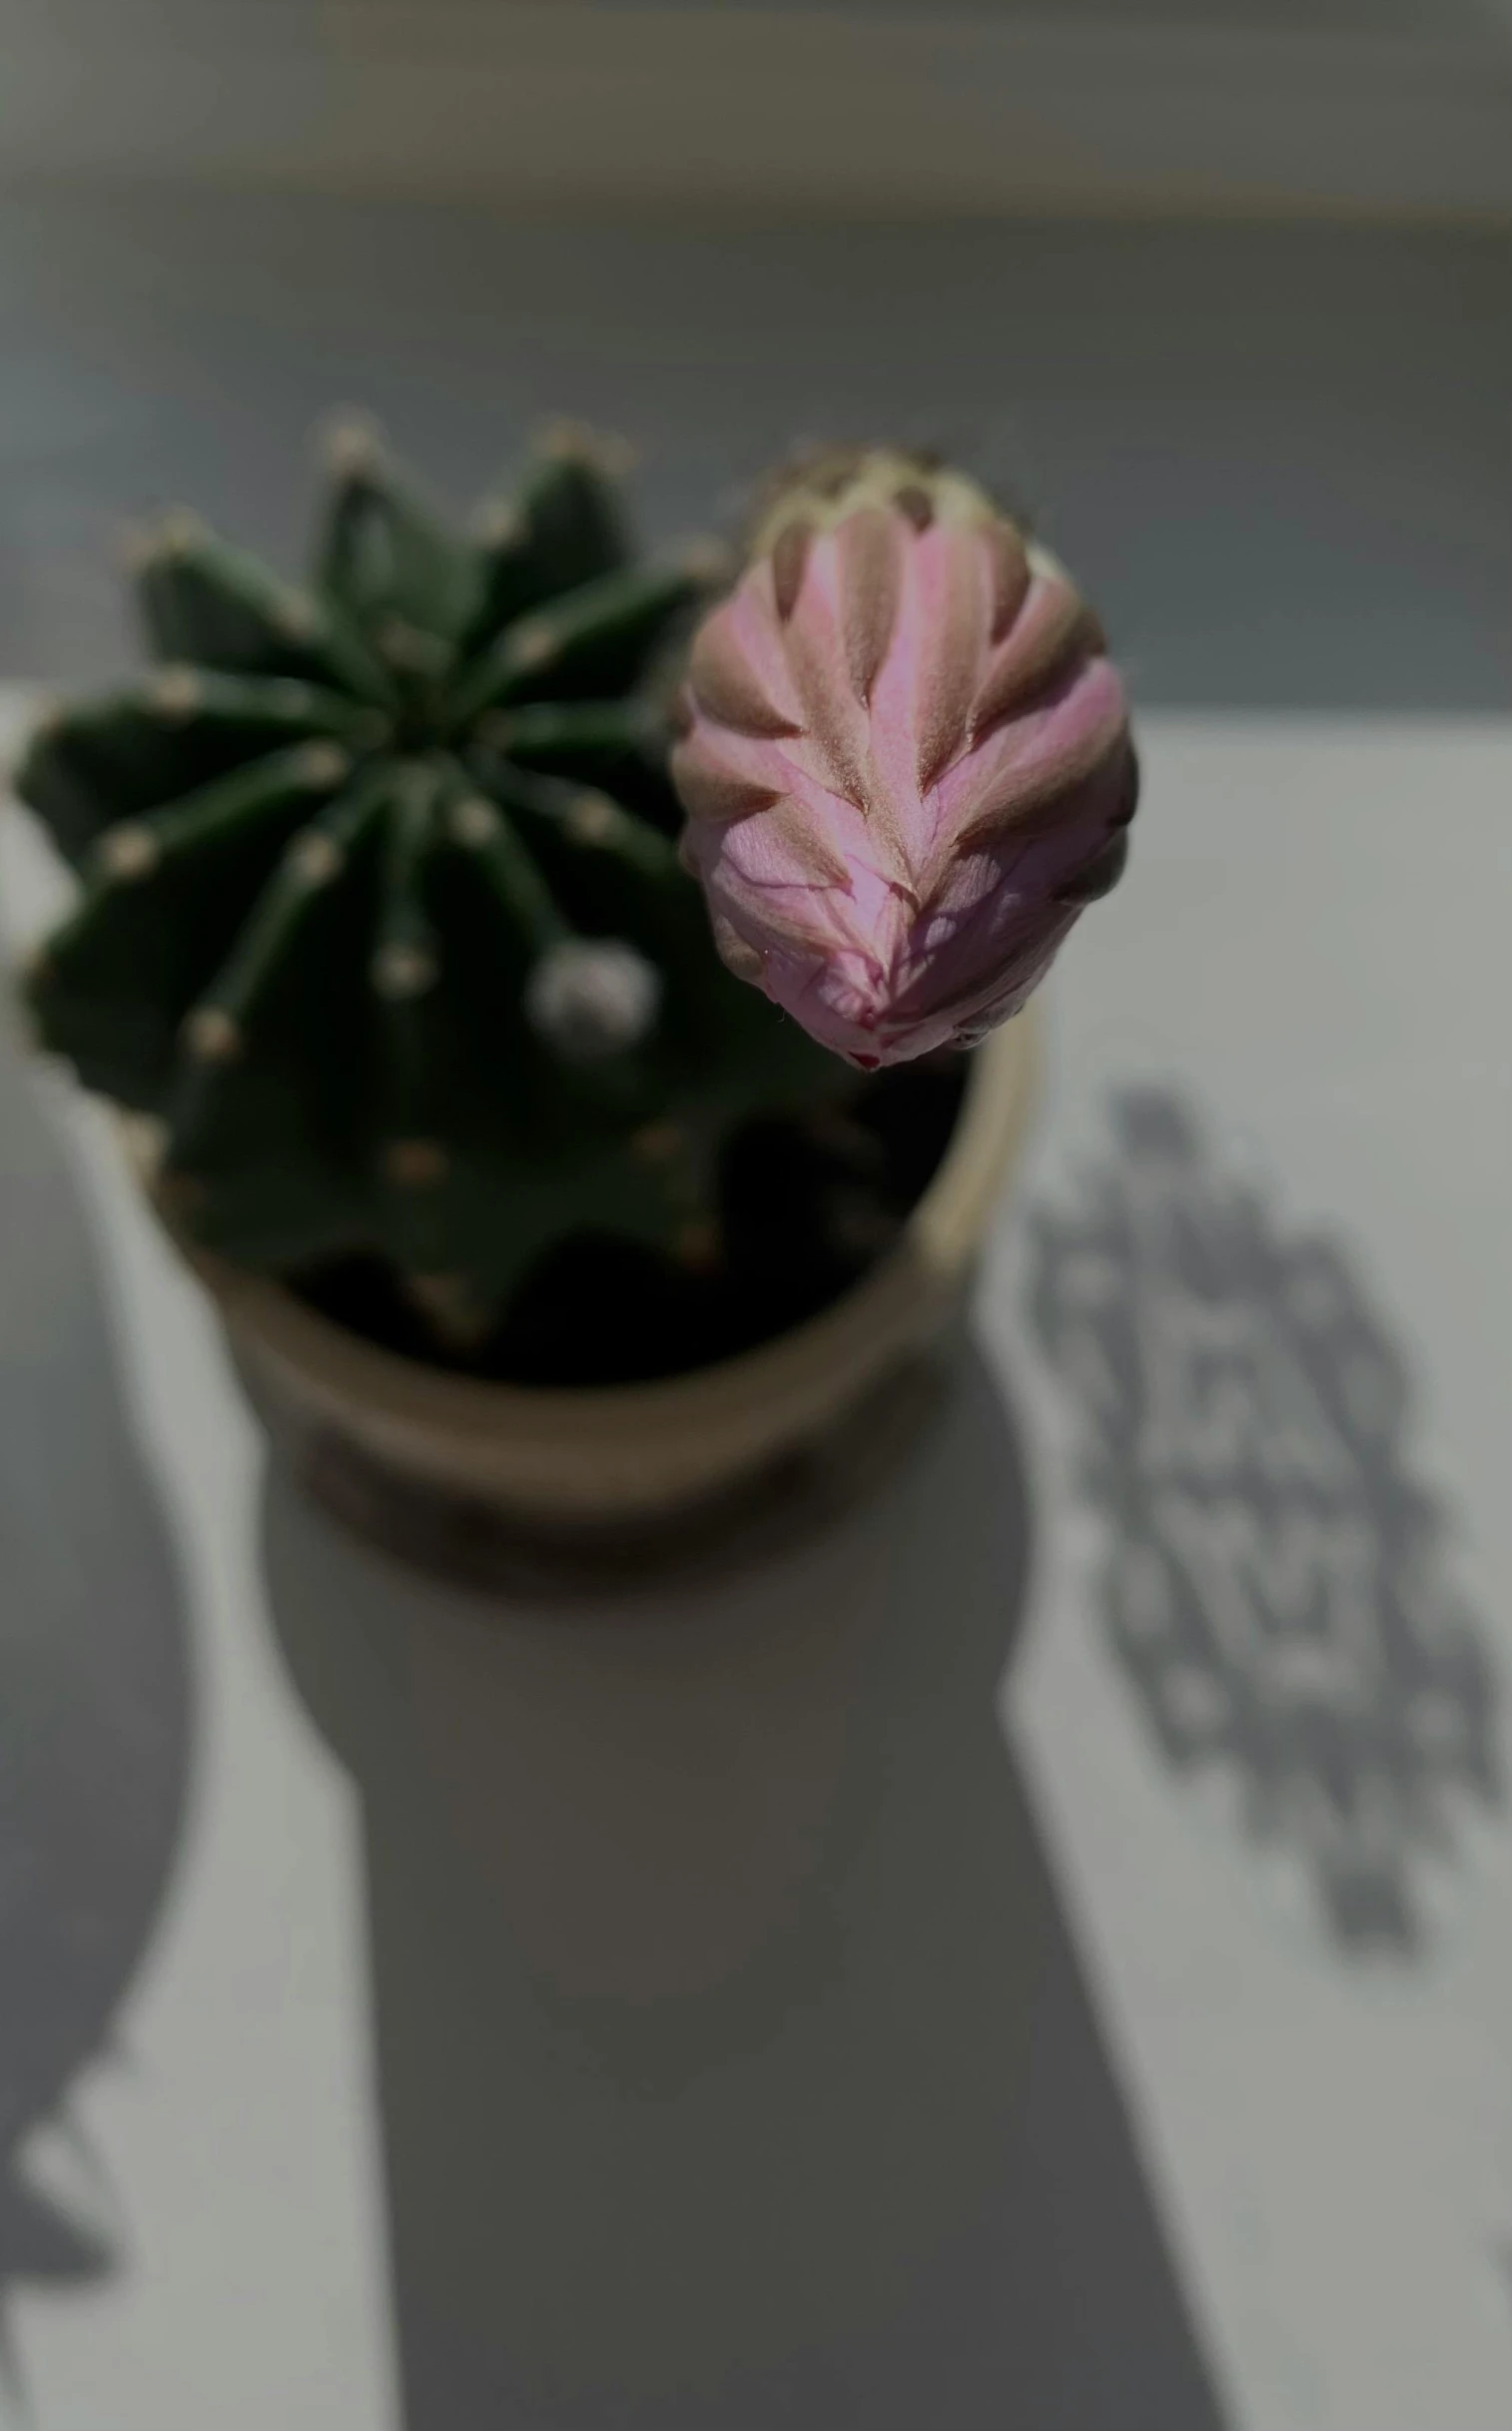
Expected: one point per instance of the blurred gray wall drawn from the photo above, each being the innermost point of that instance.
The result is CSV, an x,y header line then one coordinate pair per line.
x,y
1217,288
1276,454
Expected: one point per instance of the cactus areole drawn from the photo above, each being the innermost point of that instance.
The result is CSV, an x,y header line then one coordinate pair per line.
x,y
904,758
382,915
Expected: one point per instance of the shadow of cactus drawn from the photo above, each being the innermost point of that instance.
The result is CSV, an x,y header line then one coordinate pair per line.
x,y
734,2058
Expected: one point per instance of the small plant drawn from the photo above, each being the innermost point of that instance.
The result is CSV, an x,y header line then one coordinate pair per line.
x,y
382,920
392,925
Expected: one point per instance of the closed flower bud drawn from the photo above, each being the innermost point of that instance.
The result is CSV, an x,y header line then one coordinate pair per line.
x,y
906,761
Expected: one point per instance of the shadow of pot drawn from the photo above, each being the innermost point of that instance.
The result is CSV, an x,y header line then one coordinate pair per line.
x,y
734,2062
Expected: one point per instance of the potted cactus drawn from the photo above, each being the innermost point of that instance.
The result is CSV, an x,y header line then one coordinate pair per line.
x,y
431,1003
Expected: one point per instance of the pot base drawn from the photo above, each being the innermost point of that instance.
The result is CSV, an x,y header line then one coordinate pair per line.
x,y
470,1543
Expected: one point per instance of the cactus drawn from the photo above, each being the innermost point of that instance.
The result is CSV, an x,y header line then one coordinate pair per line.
x,y
382,917
906,759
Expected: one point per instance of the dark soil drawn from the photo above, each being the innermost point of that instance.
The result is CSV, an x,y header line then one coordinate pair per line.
x,y
806,1208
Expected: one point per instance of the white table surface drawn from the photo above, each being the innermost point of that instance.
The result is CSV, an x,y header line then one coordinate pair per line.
x,y
816,1999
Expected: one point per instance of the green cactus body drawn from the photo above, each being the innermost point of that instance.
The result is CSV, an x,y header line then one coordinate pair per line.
x,y
382,915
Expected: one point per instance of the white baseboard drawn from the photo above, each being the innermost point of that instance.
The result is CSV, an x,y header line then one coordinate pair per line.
x,y
785,106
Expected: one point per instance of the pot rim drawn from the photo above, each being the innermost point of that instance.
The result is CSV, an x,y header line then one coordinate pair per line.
x,y
938,1241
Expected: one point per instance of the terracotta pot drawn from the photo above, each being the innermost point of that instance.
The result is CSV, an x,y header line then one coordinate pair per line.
x,y
464,1474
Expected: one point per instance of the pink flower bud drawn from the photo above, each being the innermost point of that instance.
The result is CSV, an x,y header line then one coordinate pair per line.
x,y
906,761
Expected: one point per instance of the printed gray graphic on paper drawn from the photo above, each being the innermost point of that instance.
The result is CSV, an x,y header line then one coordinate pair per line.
x,y
1276,1588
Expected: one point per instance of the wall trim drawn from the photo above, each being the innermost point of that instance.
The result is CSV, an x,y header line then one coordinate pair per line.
x,y
777,106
